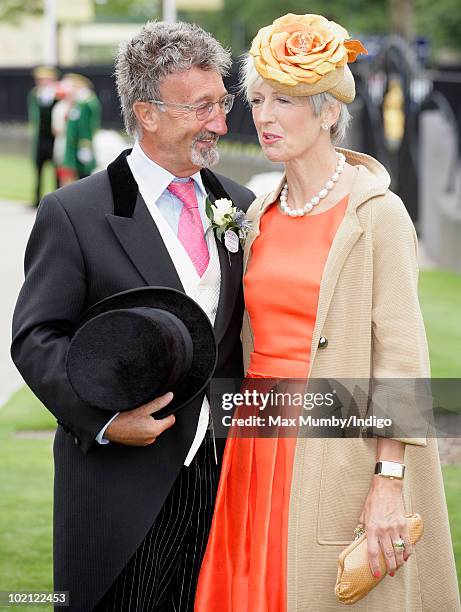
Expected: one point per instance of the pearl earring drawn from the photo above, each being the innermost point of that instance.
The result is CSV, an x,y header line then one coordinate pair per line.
x,y
325,126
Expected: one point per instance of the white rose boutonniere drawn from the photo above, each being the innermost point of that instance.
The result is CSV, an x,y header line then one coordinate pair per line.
x,y
228,222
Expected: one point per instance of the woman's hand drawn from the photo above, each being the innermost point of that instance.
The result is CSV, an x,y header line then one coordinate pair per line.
x,y
383,517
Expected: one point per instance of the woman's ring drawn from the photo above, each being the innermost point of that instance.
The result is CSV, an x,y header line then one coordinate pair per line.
x,y
399,544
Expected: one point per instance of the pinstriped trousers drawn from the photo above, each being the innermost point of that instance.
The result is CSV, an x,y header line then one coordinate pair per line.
x,y
162,575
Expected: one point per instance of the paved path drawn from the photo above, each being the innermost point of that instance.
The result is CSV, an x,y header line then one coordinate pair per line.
x,y
16,221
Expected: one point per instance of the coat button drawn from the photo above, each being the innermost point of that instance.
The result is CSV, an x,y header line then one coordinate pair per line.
x,y
323,342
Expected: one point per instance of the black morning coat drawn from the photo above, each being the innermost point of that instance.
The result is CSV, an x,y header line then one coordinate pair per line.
x,y
90,240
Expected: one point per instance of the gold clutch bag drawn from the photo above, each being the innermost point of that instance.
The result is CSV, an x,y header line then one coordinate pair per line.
x,y
355,579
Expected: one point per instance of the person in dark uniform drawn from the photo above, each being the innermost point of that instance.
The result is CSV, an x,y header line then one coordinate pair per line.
x,y
40,103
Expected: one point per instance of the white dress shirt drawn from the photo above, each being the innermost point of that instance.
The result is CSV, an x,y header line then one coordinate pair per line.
x,y
165,209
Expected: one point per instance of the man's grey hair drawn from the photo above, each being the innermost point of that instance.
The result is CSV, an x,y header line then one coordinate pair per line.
x,y
161,49
250,80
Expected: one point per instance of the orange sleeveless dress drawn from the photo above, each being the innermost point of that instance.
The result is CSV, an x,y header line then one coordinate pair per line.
x,y
245,564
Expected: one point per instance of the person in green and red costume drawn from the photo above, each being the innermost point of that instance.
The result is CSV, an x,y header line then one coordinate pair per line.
x,y
83,121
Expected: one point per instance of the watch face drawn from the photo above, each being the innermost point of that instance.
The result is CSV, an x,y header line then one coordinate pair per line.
x,y
395,470
389,468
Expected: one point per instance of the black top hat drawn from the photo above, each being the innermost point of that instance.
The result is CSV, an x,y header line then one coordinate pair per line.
x,y
136,345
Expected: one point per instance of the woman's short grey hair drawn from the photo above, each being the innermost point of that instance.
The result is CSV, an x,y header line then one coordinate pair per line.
x,y
161,49
250,79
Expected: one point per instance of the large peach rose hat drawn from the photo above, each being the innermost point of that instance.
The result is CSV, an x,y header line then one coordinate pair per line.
x,y
304,55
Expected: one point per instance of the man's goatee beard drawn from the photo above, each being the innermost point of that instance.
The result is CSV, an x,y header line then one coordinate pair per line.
x,y
208,156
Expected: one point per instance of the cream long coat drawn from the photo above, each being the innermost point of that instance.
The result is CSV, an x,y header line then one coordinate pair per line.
x,y
368,310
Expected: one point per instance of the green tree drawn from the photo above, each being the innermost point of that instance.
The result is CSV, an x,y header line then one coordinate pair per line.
x,y
440,22
121,10
13,10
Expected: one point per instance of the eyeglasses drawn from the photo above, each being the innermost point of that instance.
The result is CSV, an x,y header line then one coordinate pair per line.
x,y
202,111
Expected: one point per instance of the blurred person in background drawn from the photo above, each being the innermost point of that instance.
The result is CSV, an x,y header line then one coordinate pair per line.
x,y
330,291
80,118
40,103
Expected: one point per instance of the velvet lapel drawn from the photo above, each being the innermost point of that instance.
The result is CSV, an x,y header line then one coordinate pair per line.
x,y
231,263
135,229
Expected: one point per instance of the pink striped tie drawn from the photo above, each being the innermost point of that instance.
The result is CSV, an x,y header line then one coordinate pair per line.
x,y
190,230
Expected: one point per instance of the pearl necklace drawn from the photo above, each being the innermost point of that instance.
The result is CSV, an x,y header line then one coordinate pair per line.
x,y
300,212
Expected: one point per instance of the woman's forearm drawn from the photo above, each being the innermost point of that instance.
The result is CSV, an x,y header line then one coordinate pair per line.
x,y
390,450
384,513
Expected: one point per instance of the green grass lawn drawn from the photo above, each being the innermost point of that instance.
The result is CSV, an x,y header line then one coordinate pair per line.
x,y
17,178
452,480
440,297
26,489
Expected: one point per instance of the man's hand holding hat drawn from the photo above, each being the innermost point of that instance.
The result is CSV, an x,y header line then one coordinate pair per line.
x,y
138,427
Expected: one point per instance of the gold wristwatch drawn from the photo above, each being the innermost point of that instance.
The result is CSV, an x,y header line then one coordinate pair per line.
x,y
390,469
